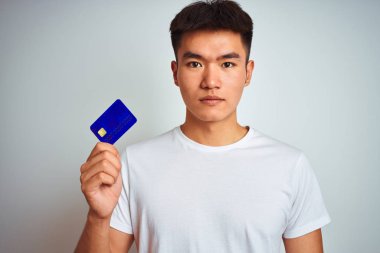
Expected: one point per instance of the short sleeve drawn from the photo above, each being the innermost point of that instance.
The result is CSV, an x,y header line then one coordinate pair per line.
x,y
121,216
308,211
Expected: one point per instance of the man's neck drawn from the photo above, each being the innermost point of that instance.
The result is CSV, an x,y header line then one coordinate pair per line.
x,y
214,133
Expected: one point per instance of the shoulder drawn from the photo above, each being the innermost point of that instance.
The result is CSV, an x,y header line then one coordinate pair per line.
x,y
273,147
279,157
299,170
155,143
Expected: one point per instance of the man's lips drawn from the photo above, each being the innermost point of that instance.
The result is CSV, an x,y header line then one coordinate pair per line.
x,y
211,100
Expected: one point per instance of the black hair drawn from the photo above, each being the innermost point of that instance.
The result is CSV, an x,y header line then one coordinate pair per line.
x,y
212,15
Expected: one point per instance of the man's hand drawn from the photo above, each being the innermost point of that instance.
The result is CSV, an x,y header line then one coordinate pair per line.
x,y
101,185
101,180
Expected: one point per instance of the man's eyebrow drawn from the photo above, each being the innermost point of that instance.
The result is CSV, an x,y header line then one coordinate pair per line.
x,y
231,55
190,54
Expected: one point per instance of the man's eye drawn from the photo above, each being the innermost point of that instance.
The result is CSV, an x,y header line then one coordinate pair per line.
x,y
194,64
228,65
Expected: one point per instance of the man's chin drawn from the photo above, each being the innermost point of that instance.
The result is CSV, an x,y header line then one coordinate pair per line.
x,y
216,116
212,118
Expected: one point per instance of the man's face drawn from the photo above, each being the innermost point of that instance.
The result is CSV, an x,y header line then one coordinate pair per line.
x,y
211,73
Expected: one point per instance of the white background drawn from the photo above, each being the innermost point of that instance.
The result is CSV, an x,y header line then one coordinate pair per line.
x,y
62,63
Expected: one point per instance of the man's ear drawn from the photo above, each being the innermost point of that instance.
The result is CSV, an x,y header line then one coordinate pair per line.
x,y
174,67
249,71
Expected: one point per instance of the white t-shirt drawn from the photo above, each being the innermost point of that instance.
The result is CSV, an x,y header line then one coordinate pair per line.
x,y
182,196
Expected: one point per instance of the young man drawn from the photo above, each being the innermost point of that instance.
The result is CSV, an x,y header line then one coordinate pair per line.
x,y
210,185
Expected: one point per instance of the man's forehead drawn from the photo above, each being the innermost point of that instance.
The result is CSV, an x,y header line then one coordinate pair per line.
x,y
215,44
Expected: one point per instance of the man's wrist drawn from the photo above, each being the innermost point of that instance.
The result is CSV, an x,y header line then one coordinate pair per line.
x,y
94,219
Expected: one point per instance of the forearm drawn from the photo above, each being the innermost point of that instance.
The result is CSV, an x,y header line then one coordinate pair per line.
x,y
95,236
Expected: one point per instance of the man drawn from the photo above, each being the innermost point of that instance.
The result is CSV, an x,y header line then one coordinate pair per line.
x,y
210,185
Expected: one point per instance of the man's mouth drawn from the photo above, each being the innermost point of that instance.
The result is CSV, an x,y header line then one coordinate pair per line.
x,y
211,100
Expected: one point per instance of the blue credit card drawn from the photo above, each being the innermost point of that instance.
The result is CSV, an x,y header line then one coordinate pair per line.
x,y
113,123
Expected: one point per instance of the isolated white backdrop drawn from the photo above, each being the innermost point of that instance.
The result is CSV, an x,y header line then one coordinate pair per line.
x,y
62,63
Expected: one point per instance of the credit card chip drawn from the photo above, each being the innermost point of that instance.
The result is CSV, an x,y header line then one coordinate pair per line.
x,y
102,132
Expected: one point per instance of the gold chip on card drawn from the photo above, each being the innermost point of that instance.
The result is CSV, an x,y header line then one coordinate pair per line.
x,y
102,132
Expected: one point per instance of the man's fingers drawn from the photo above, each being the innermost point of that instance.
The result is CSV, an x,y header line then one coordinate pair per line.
x,y
101,146
102,166
103,155
97,180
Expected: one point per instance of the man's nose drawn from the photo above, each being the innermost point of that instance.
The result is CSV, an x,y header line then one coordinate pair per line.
x,y
211,78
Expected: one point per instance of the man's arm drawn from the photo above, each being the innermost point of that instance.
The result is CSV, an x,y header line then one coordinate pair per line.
x,y
101,185
98,236
120,242
309,243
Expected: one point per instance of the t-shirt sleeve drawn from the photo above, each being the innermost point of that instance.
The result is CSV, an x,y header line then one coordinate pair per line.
x,y
121,216
308,211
